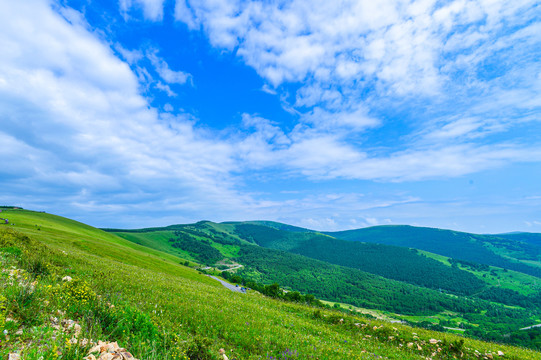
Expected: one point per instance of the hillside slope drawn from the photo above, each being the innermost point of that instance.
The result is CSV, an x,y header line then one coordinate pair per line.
x,y
391,262
163,310
482,249
266,255
525,237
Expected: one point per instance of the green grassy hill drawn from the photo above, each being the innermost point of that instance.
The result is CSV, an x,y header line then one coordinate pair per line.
x,y
432,291
482,249
158,309
391,262
531,238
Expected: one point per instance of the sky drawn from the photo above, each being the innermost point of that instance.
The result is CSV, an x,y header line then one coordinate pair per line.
x,y
328,115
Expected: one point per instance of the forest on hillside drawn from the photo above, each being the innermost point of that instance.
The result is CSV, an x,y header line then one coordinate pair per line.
x,y
454,244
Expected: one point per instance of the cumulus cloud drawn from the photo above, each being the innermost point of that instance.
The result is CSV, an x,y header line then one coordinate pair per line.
x,y
353,58
152,9
341,50
74,122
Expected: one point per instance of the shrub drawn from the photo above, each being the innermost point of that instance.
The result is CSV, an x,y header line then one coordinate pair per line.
x,y
199,349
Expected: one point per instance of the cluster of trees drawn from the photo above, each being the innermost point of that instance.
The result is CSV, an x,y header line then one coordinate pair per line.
x,y
201,229
454,244
523,250
392,262
530,338
346,285
530,238
203,252
510,297
267,237
471,265
273,290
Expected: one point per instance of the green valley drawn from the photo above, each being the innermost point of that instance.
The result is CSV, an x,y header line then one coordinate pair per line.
x,y
140,289
412,285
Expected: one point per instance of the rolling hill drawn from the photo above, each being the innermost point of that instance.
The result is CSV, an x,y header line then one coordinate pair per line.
x,y
483,249
65,282
525,237
417,286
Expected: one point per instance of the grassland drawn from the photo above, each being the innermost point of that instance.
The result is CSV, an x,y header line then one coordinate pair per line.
x,y
522,283
460,293
159,309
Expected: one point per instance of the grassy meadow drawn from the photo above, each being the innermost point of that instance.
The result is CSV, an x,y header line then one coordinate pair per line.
x,y
149,303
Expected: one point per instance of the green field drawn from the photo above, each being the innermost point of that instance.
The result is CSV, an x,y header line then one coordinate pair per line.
x,y
496,276
163,310
422,288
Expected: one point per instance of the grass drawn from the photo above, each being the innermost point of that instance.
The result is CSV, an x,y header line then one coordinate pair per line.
x,y
509,279
158,240
159,309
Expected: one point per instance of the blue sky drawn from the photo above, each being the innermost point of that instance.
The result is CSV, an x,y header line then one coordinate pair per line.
x,y
328,115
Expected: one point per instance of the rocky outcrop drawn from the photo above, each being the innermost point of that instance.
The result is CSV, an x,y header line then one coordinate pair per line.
x,y
108,351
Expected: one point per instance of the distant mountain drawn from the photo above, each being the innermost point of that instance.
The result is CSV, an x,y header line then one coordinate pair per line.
x,y
487,301
530,238
392,262
483,249
273,224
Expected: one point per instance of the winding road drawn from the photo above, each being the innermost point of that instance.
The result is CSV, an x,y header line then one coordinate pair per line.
x,y
531,327
228,285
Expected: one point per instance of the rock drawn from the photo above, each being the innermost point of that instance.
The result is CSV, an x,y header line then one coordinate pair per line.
x,y
77,329
14,356
68,323
433,341
500,353
112,347
95,349
89,357
106,356
67,278
126,355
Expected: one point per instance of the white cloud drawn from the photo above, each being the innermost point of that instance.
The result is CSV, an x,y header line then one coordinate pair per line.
x,y
75,126
165,88
152,9
162,68
131,56
185,14
339,51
